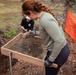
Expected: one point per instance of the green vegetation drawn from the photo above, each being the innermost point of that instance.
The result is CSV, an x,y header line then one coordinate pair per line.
x,y
10,33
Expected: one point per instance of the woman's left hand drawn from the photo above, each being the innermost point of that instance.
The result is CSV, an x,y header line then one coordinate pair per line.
x,y
48,63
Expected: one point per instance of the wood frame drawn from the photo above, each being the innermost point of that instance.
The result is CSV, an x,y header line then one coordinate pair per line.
x,y
18,55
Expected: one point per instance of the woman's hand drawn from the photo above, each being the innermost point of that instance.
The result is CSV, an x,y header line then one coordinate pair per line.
x,y
48,63
30,33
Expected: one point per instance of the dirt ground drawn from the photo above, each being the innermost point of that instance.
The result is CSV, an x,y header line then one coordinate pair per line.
x,y
20,67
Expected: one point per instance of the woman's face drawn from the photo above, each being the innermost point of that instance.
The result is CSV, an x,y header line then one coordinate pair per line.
x,y
33,15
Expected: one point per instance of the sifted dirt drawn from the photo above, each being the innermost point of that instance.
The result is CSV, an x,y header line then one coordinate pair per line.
x,y
29,45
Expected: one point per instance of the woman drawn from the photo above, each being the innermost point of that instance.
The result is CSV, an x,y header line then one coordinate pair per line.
x,y
51,32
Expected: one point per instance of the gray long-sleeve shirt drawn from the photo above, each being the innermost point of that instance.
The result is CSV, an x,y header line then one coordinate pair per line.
x,y
52,35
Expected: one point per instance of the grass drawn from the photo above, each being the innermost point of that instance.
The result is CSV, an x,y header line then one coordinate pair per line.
x,y
10,13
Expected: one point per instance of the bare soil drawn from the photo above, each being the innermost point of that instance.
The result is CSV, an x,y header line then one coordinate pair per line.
x,y
32,46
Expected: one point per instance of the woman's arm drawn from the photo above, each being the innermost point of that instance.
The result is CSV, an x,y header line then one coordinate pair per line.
x,y
52,28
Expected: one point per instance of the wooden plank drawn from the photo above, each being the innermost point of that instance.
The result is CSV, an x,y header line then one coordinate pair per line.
x,y
23,57
18,55
11,42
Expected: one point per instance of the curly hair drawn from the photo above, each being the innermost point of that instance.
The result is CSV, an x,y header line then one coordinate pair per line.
x,y
33,5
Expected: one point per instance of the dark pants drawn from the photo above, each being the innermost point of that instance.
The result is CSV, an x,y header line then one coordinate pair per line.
x,y
60,60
